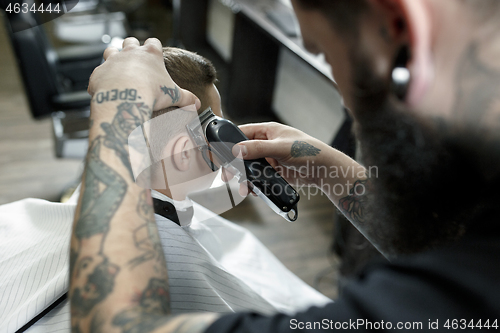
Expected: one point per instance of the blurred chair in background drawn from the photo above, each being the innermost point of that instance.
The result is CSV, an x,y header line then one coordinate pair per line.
x,y
95,21
55,80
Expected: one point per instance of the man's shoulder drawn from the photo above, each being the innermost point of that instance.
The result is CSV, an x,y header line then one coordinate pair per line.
x,y
454,282
458,279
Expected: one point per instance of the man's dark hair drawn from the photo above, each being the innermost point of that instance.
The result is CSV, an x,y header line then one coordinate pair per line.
x,y
190,71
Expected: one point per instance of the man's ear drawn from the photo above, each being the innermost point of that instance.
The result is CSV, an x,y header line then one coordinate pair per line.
x,y
182,153
409,25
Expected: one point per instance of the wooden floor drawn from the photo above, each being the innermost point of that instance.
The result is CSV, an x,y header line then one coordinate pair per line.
x,y
28,168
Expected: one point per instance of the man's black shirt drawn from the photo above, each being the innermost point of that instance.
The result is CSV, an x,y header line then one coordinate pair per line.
x,y
455,285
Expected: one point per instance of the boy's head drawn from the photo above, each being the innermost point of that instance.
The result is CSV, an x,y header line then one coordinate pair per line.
x,y
194,73
184,169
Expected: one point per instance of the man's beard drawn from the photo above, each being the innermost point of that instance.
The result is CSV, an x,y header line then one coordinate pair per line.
x,y
435,180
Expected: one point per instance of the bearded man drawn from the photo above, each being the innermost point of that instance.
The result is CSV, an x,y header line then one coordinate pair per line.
x,y
422,81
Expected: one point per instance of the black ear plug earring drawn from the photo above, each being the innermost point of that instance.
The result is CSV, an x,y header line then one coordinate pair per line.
x,y
401,74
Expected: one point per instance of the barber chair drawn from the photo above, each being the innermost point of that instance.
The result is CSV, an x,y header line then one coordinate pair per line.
x,y
55,81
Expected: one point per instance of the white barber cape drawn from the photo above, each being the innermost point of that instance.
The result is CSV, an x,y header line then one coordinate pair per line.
x,y
213,265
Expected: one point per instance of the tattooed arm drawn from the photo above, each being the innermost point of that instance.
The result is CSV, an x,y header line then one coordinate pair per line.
x,y
305,161
118,273
301,159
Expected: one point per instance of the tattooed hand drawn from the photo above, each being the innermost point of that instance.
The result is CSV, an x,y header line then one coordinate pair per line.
x,y
290,151
115,246
137,73
301,159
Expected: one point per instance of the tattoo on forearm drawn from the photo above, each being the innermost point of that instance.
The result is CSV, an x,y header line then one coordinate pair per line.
x,y
303,149
129,95
146,237
353,206
104,191
97,323
129,117
149,313
75,329
93,273
98,278
174,93
152,310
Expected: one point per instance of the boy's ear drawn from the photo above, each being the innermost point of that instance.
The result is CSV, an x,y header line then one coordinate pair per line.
x,y
182,153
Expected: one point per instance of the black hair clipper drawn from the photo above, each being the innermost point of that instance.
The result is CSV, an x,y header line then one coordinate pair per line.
x,y
216,136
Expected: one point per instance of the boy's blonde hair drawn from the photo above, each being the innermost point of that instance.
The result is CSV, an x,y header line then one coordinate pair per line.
x,y
190,71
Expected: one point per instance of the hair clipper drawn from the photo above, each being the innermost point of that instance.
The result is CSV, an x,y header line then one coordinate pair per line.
x,y
217,136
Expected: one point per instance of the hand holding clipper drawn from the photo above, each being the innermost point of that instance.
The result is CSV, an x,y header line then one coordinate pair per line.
x,y
215,137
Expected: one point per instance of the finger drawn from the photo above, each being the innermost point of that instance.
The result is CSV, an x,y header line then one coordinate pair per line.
x,y
109,52
92,81
244,189
256,131
130,41
284,172
273,162
154,42
90,88
254,149
176,97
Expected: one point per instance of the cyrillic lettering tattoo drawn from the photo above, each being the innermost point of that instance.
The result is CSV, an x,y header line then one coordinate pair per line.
x,y
129,95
